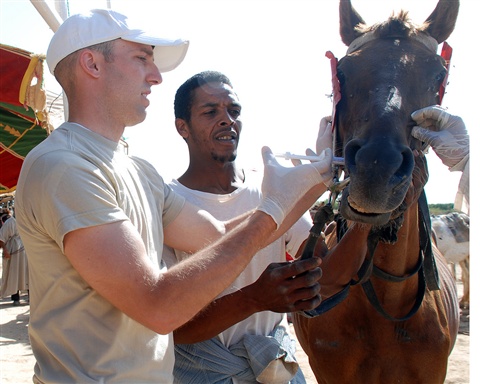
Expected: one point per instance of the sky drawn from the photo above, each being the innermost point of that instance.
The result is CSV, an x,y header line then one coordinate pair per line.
x,y
273,51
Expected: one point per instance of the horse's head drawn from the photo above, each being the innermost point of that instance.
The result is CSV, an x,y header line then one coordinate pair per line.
x,y
390,70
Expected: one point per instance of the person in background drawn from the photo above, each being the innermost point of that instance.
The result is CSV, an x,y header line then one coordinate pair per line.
x,y
448,136
243,336
94,220
14,259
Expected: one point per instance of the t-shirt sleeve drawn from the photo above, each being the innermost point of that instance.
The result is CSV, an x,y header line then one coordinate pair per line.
x,y
173,204
79,195
167,200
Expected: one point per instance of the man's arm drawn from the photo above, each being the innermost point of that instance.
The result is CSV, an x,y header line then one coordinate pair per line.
x,y
204,228
112,257
165,301
276,291
282,287
162,301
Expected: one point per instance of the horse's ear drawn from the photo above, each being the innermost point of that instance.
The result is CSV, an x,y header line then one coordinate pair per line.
x,y
349,19
442,20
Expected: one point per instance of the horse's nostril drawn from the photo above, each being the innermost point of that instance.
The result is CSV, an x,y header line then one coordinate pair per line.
x,y
351,150
406,168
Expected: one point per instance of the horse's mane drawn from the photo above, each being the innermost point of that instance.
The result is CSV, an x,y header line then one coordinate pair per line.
x,y
399,25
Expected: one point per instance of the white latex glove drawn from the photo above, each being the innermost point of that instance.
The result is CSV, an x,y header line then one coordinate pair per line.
x,y
444,132
324,140
283,187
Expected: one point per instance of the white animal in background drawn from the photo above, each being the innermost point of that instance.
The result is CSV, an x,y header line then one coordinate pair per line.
x,y
452,236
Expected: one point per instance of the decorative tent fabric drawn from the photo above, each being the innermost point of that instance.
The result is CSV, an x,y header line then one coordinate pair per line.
x,y
23,116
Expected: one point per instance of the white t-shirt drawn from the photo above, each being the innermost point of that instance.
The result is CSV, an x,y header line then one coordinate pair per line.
x,y
77,179
225,207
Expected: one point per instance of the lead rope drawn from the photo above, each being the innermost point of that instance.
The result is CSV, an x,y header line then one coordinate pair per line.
x,y
323,216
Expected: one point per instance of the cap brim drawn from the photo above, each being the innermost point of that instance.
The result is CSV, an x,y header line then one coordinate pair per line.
x,y
168,54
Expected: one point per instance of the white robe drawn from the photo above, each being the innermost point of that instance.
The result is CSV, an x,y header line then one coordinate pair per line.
x,y
15,269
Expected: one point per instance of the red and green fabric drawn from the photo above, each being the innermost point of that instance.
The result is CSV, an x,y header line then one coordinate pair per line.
x,y
23,120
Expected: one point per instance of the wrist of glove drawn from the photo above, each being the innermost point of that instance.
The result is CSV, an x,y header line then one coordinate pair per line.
x,y
451,149
324,140
271,207
283,187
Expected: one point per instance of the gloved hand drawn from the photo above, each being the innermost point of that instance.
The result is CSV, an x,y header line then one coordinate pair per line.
x,y
324,140
283,187
444,132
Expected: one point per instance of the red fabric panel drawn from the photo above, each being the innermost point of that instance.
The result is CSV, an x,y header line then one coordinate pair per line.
x,y
9,170
14,64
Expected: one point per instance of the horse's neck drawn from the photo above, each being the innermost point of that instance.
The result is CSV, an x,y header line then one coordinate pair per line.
x,y
401,257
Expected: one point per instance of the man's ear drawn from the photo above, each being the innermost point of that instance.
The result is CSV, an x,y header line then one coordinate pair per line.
x,y
88,61
182,127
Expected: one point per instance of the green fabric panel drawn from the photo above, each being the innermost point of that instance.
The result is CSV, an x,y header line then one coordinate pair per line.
x,y
27,114
13,127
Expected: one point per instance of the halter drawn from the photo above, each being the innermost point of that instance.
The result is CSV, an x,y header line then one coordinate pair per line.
x,y
426,268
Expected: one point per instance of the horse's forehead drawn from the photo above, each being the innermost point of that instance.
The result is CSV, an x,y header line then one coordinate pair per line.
x,y
384,71
407,52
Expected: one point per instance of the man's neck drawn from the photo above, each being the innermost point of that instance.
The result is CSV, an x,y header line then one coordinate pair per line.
x,y
218,180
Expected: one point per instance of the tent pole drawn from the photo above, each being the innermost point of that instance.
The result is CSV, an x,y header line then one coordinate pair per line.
x,y
53,20
51,17
62,9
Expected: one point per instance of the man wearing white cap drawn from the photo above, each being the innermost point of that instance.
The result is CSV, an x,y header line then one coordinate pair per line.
x,y
94,221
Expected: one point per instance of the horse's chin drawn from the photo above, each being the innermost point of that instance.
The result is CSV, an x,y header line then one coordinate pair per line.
x,y
350,213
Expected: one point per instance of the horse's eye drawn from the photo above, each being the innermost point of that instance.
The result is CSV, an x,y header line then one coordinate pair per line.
x,y
340,76
439,78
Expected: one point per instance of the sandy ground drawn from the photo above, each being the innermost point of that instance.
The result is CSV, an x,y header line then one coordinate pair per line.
x,y
17,361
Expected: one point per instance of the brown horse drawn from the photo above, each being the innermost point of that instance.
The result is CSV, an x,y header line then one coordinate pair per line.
x,y
395,324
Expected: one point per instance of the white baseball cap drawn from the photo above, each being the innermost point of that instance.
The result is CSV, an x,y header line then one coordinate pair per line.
x,y
101,25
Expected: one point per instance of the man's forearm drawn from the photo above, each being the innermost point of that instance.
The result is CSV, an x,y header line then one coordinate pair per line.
x,y
232,223
221,314
210,271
